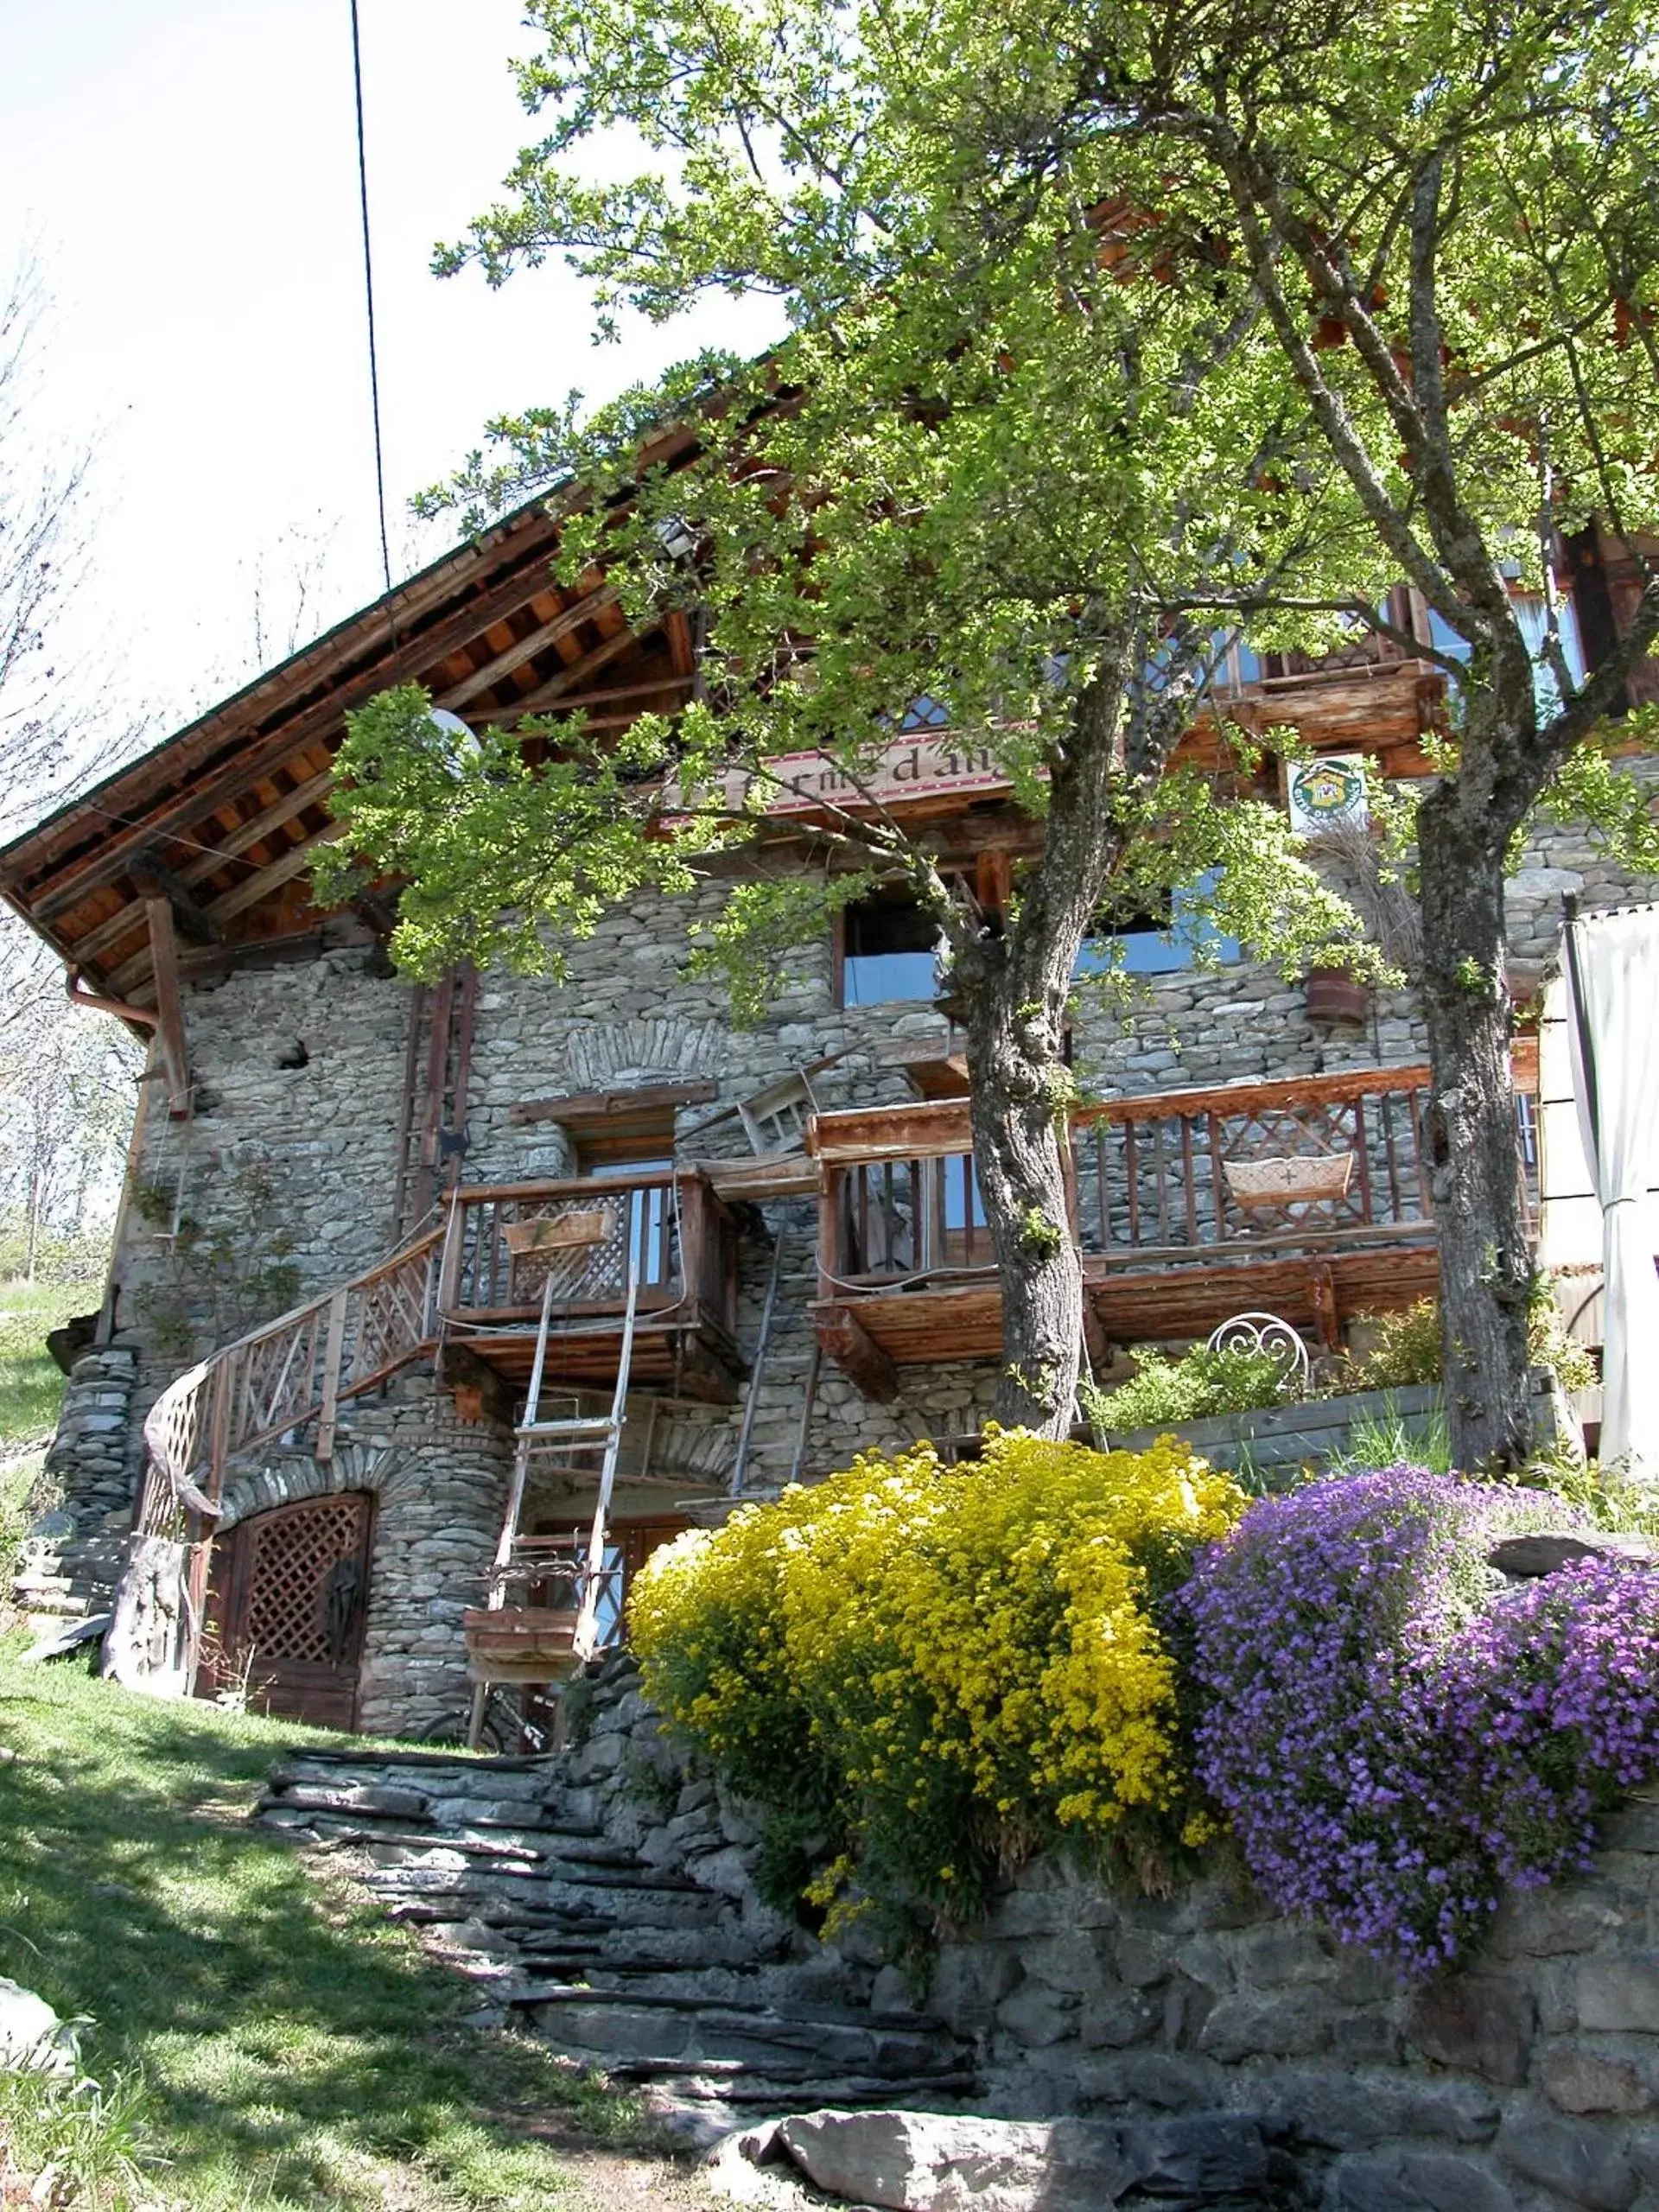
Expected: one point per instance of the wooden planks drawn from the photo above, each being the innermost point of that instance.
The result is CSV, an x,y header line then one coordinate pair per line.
x,y
692,1362
872,1337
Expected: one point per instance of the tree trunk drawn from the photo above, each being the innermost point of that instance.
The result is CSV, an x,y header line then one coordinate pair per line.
x,y
1473,1160
31,1228
1017,1111
1015,985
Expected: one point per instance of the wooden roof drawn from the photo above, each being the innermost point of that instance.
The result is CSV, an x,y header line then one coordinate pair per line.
x,y
203,846
220,820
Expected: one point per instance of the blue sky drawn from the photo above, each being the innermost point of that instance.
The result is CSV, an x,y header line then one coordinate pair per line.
x,y
188,169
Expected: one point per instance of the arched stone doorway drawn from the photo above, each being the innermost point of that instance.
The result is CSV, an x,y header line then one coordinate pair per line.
x,y
287,1605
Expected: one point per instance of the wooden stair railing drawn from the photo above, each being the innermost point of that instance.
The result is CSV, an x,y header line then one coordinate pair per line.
x,y
300,1368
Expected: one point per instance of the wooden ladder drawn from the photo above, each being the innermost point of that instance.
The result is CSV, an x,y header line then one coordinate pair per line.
x,y
570,1442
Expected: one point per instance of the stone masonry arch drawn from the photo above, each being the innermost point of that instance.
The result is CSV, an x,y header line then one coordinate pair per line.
x,y
290,1477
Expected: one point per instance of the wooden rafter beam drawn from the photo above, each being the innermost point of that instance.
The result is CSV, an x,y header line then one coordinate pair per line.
x,y
526,648
856,1353
152,880
608,694
544,696
231,844
229,904
227,845
169,1004
322,721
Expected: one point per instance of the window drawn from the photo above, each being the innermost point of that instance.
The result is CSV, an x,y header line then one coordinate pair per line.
x,y
963,1204
1158,941
890,950
1533,616
924,713
623,1156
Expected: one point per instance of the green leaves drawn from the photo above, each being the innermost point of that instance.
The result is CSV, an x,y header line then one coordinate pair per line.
x,y
500,861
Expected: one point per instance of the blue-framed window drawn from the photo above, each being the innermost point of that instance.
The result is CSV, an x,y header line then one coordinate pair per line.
x,y
1162,944
890,951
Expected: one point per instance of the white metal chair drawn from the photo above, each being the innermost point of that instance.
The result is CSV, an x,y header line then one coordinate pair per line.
x,y
1265,1332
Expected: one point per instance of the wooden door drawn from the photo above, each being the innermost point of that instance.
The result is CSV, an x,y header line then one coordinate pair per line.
x,y
287,1604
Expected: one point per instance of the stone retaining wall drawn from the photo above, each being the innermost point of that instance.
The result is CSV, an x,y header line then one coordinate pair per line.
x,y
1530,2080
91,1461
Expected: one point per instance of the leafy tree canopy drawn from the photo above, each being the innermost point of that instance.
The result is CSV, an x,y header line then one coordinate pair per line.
x,y
1000,459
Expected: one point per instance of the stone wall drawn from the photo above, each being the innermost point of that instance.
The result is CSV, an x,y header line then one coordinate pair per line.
x,y
1530,2080
441,1487
91,1461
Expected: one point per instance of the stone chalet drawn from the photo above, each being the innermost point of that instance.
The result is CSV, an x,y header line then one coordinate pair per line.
x,y
351,1199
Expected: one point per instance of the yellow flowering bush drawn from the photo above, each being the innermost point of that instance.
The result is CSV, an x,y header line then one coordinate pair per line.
x,y
924,1670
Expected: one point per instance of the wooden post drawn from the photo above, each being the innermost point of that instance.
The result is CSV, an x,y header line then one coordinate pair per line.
x,y
331,1364
169,1006
857,1354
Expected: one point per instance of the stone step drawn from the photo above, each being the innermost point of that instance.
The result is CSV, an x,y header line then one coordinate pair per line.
x,y
732,2081
381,1801
575,1846
810,2018
432,1879
670,1950
579,1840
581,1905
317,1759
578,2019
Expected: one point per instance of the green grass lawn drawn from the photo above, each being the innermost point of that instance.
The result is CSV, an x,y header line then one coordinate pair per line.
x,y
258,2024
31,1391
31,1385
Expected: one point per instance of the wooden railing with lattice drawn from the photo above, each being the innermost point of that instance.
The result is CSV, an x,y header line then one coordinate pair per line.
x,y
1307,1163
296,1369
1304,1162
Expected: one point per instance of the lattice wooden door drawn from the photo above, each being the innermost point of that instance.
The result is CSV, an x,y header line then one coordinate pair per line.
x,y
287,1604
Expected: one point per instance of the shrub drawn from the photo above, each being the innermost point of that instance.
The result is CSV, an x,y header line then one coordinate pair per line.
x,y
924,1671
1199,1385
1407,1347
1392,1739
1406,1351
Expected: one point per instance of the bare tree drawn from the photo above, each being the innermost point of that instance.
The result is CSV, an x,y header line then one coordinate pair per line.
x,y
43,554
66,1104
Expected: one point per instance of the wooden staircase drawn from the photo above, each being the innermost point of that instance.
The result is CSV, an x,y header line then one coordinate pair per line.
x,y
279,1379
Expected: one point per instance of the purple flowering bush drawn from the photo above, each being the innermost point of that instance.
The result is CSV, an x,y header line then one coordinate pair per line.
x,y
1393,1740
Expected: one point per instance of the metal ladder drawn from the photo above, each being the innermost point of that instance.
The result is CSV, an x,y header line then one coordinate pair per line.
x,y
573,1440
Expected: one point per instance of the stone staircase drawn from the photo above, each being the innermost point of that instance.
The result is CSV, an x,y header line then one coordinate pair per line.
x,y
623,1931
62,1579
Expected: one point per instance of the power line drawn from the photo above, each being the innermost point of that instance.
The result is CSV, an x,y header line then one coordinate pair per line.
x,y
368,290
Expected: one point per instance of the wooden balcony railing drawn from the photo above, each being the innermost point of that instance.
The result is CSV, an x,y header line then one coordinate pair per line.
x,y
279,1378
506,1241
1305,1164
1308,1164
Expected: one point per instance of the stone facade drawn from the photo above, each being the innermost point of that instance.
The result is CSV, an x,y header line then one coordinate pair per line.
x,y
440,1486
281,1186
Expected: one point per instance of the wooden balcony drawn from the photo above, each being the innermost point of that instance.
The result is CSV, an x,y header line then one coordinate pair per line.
x,y
504,1241
1307,1196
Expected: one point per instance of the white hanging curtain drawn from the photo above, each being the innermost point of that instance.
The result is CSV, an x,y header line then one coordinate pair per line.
x,y
1613,969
